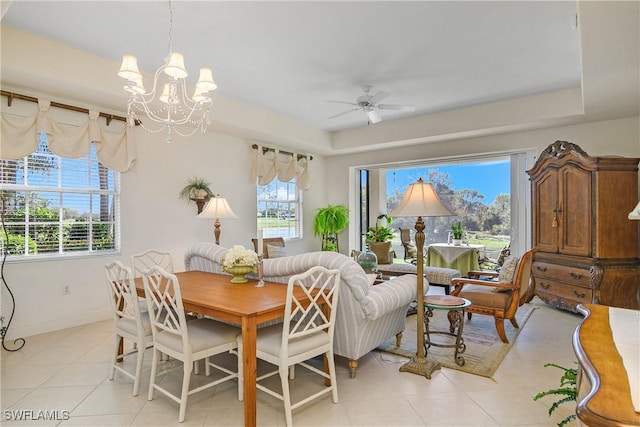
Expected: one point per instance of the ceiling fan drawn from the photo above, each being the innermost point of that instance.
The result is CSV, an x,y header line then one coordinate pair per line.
x,y
369,104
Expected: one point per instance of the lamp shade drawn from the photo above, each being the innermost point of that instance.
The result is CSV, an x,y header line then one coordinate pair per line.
x,y
175,66
420,200
129,68
217,207
205,81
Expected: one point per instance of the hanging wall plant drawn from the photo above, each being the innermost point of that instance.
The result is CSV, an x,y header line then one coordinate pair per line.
x,y
196,188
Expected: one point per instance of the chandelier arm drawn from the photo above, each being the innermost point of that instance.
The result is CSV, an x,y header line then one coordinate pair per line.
x,y
188,101
153,115
148,96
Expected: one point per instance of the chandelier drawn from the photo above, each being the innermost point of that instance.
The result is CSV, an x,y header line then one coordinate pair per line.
x,y
171,106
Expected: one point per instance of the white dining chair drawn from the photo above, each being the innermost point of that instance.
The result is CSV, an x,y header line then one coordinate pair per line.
x,y
185,341
306,332
130,323
147,259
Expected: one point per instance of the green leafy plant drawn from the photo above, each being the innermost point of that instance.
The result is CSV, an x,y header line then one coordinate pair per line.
x,y
456,231
568,390
194,184
380,233
328,223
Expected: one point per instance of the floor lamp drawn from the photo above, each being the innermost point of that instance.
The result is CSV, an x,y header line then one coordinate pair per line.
x,y
217,208
420,200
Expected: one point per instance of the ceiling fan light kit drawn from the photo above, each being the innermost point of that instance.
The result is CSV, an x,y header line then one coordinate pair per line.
x,y
369,104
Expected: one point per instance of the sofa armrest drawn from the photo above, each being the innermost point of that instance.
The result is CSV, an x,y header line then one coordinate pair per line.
x,y
390,295
205,256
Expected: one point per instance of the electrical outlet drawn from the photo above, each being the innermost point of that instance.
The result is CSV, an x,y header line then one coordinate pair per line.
x,y
66,289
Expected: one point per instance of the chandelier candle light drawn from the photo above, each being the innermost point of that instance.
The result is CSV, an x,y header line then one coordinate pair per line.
x,y
172,107
420,200
217,208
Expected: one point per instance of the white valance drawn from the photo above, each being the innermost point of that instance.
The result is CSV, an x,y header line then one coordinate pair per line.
x,y
268,164
20,137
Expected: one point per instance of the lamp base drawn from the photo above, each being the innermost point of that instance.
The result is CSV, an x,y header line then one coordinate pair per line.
x,y
420,366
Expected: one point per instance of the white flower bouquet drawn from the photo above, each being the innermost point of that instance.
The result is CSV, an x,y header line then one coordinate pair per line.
x,y
238,255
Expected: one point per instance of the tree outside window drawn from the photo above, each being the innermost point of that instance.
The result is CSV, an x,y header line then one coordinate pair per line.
x,y
58,206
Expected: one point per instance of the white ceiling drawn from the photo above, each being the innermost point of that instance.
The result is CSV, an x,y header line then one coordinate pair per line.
x,y
292,57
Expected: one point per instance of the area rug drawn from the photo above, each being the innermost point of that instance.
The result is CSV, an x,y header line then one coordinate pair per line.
x,y
484,353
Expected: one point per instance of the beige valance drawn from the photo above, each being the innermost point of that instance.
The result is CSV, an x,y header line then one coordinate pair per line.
x,y
20,135
269,163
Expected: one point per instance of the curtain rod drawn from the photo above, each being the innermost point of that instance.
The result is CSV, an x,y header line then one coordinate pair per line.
x,y
109,117
265,149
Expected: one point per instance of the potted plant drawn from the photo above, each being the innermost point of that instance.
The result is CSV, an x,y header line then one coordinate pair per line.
x,y
196,188
328,223
379,239
568,390
456,233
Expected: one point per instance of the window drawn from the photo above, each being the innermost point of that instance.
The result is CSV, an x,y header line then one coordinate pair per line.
x,y
477,191
280,209
503,214
54,206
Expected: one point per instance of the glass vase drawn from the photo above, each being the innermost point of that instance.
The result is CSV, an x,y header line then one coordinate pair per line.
x,y
368,261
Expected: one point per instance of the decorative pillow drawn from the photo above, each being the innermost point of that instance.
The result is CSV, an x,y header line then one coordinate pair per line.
x,y
274,251
507,272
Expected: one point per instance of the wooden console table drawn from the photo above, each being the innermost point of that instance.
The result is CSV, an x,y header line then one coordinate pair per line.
x,y
604,397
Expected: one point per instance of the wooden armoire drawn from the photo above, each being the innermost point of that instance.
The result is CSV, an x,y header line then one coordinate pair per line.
x,y
587,246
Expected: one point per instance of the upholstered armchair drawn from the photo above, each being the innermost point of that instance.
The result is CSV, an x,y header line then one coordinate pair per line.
x,y
367,315
499,298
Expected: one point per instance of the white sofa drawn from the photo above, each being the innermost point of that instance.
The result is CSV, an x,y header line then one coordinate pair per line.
x,y
367,315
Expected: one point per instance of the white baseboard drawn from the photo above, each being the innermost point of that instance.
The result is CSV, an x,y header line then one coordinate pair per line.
x,y
55,325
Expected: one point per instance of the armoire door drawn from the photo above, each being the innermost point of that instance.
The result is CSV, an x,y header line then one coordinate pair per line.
x,y
575,208
545,219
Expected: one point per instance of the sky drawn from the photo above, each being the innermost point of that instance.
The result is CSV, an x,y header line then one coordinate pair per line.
x,y
489,178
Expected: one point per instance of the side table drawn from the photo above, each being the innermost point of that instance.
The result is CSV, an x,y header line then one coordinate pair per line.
x,y
455,307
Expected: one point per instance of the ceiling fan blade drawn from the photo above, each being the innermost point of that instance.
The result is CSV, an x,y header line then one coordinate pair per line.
x,y
373,116
343,102
396,107
378,97
343,113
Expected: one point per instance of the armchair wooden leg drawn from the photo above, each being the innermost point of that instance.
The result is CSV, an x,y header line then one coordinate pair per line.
x,y
353,365
398,339
514,322
500,329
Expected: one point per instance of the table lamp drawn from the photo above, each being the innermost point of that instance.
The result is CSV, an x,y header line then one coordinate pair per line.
x,y
420,200
217,208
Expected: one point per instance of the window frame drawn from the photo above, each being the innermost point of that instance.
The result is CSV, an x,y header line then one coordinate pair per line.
x,y
297,203
521,161
65,174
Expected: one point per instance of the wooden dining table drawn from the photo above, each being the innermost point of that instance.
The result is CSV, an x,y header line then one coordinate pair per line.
x,y
244,304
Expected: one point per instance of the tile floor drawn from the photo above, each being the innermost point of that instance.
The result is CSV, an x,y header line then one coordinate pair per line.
x,y
68,371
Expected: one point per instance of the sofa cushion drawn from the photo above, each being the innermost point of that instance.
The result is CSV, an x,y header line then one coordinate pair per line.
x,y
482,296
